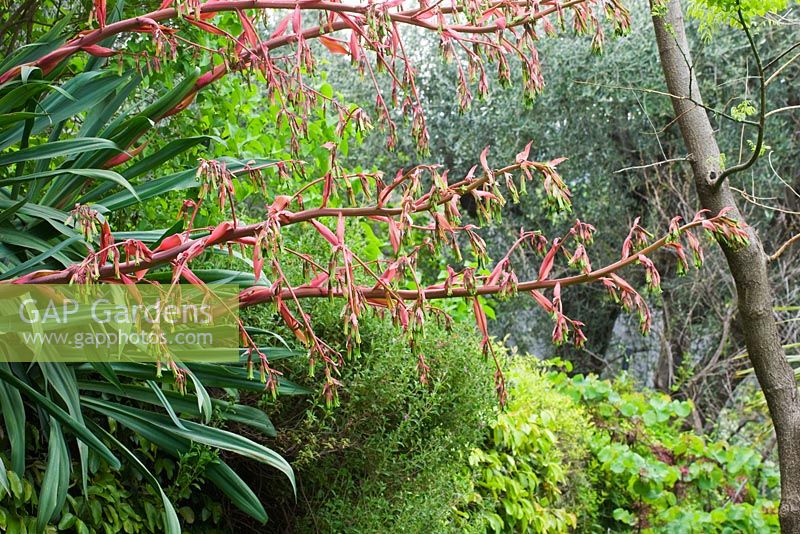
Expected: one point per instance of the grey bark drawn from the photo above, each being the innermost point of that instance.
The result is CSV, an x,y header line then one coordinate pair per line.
x,y
672,347
748,266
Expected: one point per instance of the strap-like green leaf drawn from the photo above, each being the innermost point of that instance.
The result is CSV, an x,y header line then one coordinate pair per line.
x,y
236,376
158,187
46,43
274,353
97,174
14,421
10,118
185,404
255,331
76,95
26,240
7,213
213,375
174,97
107,372
38,260
62,378
162,399
4,477
217,276
52,490
52,216
98,116
149,236
63,417
58,148
17,99
203,398
211,436
172,149
219,474
240,494
35,210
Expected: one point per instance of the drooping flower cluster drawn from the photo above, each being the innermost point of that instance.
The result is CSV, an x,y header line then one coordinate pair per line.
x,y
416,222
85,219
474,36
417,209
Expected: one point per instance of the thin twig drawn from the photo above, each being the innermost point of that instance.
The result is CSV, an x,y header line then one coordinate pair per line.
x,y
754,200
781,56
656,164
779,177
670,95
782,67
791,241
762,114
781,110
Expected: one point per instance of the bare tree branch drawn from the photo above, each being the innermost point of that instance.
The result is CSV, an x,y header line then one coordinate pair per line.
x,y
649,165
762,114
783,248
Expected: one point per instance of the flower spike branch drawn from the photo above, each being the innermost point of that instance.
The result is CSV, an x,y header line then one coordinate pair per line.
x,y
471,34
417,210
400,208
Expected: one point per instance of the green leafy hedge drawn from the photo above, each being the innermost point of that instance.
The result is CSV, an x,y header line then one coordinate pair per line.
x,y
526,478
392,456
592,455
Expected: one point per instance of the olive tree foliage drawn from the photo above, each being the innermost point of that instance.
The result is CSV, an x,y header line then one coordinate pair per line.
x,y
608,111
597,128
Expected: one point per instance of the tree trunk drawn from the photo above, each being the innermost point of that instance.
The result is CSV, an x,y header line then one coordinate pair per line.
x,y
671,348
748,266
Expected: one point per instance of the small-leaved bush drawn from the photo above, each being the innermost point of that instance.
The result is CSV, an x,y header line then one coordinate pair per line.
x,y
392,455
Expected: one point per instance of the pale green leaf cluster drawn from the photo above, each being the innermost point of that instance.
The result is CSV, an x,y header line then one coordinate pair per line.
x,y
715,13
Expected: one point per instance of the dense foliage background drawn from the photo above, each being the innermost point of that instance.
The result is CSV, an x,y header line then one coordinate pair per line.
x,y
665,433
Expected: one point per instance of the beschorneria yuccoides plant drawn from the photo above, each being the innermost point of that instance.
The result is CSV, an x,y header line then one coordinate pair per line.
x,y
422,200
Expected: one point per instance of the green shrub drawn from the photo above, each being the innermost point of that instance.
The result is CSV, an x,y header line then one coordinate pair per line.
x,y
657,476
118,501
594,456
528,475
115,501
392,456
109,505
